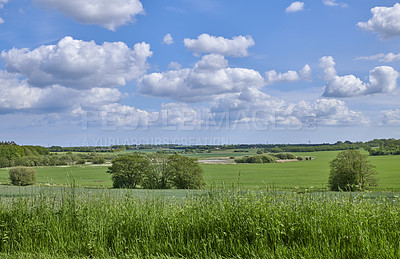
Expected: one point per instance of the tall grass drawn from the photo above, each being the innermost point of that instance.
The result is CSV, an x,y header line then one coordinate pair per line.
x,y
218,224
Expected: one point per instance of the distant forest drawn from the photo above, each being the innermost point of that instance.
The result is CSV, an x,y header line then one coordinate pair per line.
x,y
12,154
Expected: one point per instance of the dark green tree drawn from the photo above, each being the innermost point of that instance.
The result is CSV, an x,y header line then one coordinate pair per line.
x,y
128,171
185,172
351,171
159,176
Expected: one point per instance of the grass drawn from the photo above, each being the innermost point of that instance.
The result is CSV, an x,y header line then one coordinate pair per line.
x,y
292,175
83,175
220,224
303,174
263,222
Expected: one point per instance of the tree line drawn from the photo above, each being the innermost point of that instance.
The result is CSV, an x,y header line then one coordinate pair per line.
x,y
385,147
53,160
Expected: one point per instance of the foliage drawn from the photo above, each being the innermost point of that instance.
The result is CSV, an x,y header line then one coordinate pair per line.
x,y
351,171
185,172
386,147
13,151
128,171
156,171
226,224
159,176
259,159
22,176
284,156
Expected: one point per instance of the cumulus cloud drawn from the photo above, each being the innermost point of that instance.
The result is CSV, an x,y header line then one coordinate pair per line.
x,y
381,80
18,95
79,64
334,3
109,14
168,39
174,65
390,118
114,116
385,21
2,3
211,76
390,57
330,112
236,47
252,105
291,76
295,7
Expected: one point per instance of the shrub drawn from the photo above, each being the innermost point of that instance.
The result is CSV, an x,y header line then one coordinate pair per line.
x,y
81,161
260,159
284,156
22,176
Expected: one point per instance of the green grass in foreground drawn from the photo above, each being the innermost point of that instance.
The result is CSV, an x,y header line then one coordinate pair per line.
x,y
224,224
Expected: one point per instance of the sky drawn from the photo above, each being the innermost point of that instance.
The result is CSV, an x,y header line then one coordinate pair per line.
x,y
198,72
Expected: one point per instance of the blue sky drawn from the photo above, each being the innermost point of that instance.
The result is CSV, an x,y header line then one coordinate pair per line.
x,y
99,72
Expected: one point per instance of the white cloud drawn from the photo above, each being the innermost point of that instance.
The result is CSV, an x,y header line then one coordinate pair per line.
x,y
291,76
174,66
18,95
330,112
79,64
385,21
258,108
381,80
115,116
390,118
237,46
209,78
334,3
168,39
2,3
295,7
390,57
109,14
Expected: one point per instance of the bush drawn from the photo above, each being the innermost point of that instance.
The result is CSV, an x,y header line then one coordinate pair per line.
x,y
284,156
81,161
22,176
260,159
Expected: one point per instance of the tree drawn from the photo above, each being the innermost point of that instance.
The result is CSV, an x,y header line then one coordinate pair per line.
x,y
128,171
185,172
159,176
351,171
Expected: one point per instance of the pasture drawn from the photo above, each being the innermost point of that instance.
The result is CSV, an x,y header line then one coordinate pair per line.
x,y
247,211
306,174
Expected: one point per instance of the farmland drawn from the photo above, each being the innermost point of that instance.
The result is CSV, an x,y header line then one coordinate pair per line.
x,y
291,175
277,210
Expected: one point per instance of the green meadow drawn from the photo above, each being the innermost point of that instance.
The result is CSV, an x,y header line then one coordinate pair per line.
x,y
247,211
306,174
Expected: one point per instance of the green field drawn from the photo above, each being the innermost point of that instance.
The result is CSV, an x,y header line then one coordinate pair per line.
x,y
311,174
92,220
